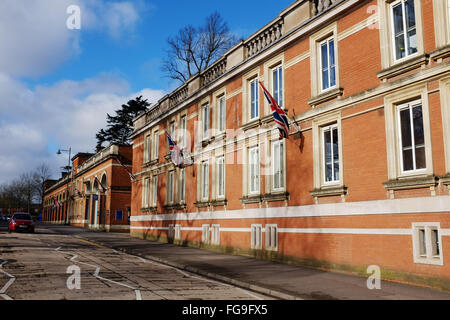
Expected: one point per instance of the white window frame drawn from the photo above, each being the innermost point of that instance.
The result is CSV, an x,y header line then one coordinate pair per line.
x,y
388,58
220,161
280,98
393,145
205,234
256,92
205,180
147,148
155,153
327,41
281,163
330,128
399,108
154,200
178,232
318,150
206,114
145,192
271,231
253,155
171,232
221,114
428,258
256,236
170,186
215,234
183,126
182,186
326,33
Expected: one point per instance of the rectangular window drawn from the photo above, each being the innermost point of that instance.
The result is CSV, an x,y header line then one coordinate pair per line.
x,y
147,151
205,233
254,99
221,114
170,186
404,28
145,192
330,151
154,191
183,132
256,236
206,121
178,232
427,245
221,177
205,180
271,237
171,232
155,145
253,154
277,84
215,234
412,137
278,165
182,186
328,65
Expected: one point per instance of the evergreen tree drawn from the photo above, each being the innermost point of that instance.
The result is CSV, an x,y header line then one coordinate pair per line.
x,y
120,126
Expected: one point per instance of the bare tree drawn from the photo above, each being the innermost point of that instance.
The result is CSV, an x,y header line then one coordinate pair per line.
x,y
40,175
192,50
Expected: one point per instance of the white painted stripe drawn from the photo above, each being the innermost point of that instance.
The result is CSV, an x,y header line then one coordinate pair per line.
x,y
347,231
379,231
297,59
423,205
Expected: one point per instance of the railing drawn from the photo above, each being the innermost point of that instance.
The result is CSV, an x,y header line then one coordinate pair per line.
x,y
265,38
98,157
179,95
322,5
214,71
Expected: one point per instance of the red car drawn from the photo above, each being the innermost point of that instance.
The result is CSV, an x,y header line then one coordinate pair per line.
x,y
21,222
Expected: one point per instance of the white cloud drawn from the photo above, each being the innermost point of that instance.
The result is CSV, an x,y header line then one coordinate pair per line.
x,y
34,38
68,113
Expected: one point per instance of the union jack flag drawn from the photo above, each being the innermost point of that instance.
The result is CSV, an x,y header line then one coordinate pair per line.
x,y
280,117
175,153
101,185
132,176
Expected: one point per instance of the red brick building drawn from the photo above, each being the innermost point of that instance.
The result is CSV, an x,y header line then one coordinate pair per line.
x,y
99,190
366,182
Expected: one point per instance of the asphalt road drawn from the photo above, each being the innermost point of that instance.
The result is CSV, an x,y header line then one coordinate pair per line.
x,y
38,266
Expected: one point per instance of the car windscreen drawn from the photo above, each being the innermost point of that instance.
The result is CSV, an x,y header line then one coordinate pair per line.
x,y
22,216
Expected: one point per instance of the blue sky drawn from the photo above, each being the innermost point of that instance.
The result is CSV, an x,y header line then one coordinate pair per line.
x,y
135,55
56,84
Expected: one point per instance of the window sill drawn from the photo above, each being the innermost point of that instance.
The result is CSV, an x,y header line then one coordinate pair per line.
x,y
150,163
150,209
403,67
251,125
251,199
202,204
207,141
329,191
440,53
325,96
433,261
445,179
177,206
411,183
219,202
276,196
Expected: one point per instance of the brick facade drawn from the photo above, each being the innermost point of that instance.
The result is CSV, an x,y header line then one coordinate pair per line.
x,y
373,209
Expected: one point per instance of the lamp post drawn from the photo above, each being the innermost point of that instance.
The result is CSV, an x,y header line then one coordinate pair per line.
x,y
66,220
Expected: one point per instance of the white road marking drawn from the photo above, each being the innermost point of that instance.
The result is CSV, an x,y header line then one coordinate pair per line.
x,y
200,278
97,272
8,284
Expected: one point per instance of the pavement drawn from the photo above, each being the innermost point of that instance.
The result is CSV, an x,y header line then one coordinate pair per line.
x,y
273,279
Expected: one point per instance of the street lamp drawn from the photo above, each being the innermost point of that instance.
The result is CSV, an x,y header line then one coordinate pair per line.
x,y
66,220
